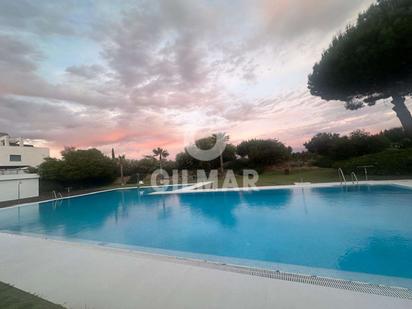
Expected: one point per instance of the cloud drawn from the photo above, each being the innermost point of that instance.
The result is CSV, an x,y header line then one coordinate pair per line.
x,y
62,125
45,18
17,56
162,68
288,19
86,71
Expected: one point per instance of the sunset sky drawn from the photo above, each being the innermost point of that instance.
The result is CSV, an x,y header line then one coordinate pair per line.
x,y
143,74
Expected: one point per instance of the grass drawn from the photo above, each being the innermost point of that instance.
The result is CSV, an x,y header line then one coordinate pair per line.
x,y
313,175
13,298
273,178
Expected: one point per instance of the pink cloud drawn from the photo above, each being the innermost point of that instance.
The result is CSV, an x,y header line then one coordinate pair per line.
x,y
168,67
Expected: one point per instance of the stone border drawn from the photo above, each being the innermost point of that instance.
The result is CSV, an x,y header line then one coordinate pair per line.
x,y
354,286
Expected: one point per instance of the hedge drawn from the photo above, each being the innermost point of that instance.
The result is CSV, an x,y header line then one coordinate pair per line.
x,y
388,162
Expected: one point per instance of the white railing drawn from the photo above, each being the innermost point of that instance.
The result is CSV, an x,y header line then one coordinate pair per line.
x,y
12,171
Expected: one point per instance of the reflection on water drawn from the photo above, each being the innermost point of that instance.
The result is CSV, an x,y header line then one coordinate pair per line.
x,y
376,253
219,207
359,229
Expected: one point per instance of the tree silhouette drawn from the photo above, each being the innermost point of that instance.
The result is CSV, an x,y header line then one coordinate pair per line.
x,y
223,137
161,153
122,160
370,61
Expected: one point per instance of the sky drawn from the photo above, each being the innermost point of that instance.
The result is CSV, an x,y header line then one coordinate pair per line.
x,y
135,75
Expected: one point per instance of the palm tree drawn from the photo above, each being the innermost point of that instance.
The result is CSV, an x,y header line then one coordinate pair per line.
x,y
223,137
161,153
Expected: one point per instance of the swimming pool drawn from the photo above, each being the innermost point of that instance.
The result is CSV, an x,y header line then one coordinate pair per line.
x,y
359,233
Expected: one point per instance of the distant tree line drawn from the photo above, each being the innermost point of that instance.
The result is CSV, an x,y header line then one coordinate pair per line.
x,y
84,168
331,147
357,143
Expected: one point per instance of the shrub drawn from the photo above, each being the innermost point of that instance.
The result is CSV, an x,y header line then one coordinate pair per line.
x,y
241,164
79,168
186,161
142,167
388,162
397,137
322,144
261,152
336,147
322,161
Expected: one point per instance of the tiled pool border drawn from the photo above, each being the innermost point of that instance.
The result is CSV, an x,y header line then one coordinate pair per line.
x,y
322,281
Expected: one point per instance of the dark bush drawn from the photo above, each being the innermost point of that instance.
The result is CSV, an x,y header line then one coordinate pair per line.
x,y
133,179
47,186
398,138
336,147
322,144
186,161
241,164
79,168
322,161
388,162
264,152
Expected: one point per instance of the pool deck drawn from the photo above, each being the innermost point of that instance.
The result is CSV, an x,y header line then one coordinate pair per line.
x,y
85,276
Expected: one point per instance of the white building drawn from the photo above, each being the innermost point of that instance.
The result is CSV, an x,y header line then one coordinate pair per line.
x,y
15,183
15,153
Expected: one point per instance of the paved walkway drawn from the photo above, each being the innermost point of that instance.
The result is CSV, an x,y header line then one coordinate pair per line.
x,y
83,276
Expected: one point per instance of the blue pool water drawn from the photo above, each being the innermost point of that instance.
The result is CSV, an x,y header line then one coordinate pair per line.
x,y
358,233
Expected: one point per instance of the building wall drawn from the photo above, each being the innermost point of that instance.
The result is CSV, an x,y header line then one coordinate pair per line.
x,y
13,187
30,156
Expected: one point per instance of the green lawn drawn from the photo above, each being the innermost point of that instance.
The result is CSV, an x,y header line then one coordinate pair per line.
x,y
13,298
273,178
313,175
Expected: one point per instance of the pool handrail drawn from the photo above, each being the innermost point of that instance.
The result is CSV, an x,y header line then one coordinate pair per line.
x,y
354,178
342,176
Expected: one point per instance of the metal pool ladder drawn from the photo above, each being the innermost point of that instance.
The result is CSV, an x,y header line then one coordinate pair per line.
x,y
354,178
342,176
58,195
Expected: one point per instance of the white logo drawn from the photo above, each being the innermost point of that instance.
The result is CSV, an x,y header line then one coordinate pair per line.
x,y
206,154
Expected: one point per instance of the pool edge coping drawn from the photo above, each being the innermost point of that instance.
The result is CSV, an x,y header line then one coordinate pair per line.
x,y
401,182
321,281
85,194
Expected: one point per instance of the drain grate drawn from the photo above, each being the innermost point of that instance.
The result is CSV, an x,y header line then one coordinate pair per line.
x,y
355,286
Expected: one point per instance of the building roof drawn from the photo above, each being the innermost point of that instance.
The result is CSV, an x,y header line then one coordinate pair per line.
x,y
3,134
